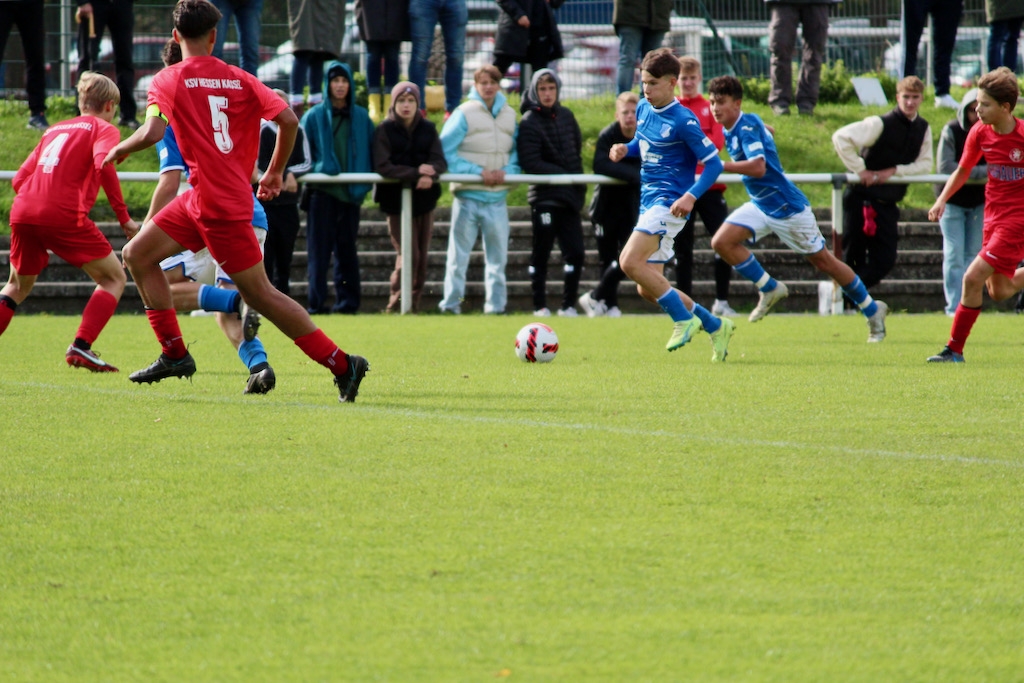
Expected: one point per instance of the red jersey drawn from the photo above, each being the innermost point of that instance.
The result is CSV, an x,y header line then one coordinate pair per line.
x,y
58,182
215,110
713,129
1004,155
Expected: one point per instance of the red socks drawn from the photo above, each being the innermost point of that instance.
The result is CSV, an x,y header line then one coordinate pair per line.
x,y
320,348
7,307
168,333
963,321
97,314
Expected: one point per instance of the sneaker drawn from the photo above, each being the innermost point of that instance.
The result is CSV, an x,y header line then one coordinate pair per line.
x,y
88,359
682,333
767,300
543,312
876,323
348,383
250,320
456,310
946,101
38,122
594,308
164,367
130,124
720,341
261,381
614,312
568,312
947,355
722,309
780,110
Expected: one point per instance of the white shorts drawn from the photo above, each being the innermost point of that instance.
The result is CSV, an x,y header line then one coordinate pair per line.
x,y
658,220
800,231
199,266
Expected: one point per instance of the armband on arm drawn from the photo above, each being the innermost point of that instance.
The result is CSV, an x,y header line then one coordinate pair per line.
x,y
154,111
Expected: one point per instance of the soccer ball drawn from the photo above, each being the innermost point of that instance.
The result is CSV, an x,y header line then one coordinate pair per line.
x,y
536,343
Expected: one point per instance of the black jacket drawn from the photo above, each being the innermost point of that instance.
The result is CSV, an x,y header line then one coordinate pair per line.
x,y
615,202
899,144
514,40
398,153
549,142
299,162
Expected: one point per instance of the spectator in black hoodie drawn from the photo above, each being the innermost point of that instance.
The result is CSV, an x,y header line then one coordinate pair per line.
x,y
549,143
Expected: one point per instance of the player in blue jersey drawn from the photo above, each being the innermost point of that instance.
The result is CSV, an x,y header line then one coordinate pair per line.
x,y
197,282
776,206
670,144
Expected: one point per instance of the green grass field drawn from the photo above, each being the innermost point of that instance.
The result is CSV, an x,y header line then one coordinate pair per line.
x,y
815,509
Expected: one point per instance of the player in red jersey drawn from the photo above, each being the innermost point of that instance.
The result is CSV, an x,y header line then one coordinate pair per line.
x,y
215,110
56,187
1001,141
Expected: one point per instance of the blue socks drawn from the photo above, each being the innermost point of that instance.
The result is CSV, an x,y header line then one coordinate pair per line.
x,y
672,304
710,322
252,353
753,271
217,299
858,294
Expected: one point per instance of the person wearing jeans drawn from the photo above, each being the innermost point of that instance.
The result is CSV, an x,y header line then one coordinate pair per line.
x,y
247,15
424,15
1004,18
641,27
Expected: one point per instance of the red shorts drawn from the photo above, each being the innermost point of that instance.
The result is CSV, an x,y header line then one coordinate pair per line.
x,y
1002,247
77,245
232,243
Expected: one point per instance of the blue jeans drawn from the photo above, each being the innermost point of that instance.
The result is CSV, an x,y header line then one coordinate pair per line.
x,y
1002,43
961,242
423,17
247,22
634,43
386,50
469,219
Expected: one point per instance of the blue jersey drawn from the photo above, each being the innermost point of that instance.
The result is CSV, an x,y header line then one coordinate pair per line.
x,y
171,160
773,193
670,144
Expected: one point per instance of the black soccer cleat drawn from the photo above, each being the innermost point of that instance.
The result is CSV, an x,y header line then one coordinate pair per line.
x,y
164,367
250,321
348,383
946,355
261,381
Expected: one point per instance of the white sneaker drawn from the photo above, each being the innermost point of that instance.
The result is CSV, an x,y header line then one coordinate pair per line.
x,y
543,313
721,308
568,313
947,101
614,312
594,308
876,323
767,300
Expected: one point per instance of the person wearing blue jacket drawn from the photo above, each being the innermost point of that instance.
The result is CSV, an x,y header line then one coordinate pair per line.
x,y
340,135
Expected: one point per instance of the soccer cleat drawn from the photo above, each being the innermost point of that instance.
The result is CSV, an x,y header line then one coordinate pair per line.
x,y
348,383
722,309
876,323
568,313
261,381
88,359
720,340
594,308
164,367
682,333
767,300
250,320
543,312
947,355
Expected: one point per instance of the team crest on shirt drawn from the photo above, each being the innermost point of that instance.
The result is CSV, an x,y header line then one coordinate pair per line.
x,y
666,130
1016,155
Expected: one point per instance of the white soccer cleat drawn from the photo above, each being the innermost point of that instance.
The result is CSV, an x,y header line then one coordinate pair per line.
x,y
876,323
767,300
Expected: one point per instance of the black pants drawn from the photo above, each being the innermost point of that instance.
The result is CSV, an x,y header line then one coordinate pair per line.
x,y
712,209
332,228
945,20
871,257
119,16
550,223
28,15
283,222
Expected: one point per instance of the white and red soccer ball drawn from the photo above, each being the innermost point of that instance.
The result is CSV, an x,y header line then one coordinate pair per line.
x,y
536,343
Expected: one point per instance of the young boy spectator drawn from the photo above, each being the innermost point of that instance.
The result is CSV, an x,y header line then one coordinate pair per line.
x,y
876,149
282,210
550,142
1001,137
199,96
670,144
407,147
776,206
614,209
961,222
480,138
55,189
711,206
340,133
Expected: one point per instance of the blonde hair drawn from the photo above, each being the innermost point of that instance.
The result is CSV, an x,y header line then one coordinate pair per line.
x,y
689,65
910,84
95,90
628,97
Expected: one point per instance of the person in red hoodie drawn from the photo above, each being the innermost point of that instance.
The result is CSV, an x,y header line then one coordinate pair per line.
x,y
711,207
56,187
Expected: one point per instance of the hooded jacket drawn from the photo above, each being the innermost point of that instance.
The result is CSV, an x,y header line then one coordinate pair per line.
x,y
951,148
318,123
550,143
475,139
